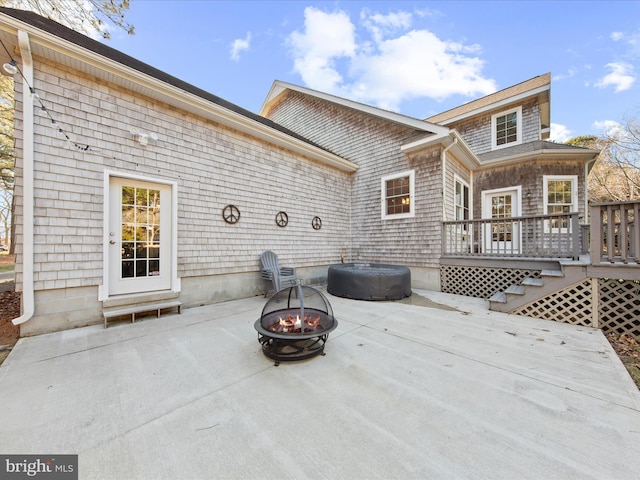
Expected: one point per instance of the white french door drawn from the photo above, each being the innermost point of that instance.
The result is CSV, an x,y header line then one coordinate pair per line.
x,y
502,235
140,236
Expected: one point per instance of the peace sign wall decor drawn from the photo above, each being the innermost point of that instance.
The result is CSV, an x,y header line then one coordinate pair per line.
x,y
231,214
282,219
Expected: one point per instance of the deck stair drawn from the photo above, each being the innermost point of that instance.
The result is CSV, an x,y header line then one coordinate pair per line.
x,y
531,289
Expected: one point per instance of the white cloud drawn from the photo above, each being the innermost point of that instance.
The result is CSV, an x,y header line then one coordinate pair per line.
x,y
383,62
634,44
240,45
427,12
616,36
559,133
561,76
382,25
419,64
621,77
607,126
327,38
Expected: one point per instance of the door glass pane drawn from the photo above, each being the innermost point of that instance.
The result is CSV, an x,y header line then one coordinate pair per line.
x,y
140,228
501,207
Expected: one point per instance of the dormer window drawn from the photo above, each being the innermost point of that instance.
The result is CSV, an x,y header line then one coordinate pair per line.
x,y
506,128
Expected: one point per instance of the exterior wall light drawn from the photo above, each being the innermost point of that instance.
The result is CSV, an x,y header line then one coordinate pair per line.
x,y
143,138
10,67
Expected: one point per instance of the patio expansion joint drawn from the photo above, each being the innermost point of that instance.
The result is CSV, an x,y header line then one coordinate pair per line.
x,y
182,406
515,372
133,338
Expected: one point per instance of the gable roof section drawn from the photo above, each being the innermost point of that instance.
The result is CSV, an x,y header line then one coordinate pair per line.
x,y
432,134
74,50
539,85
279,87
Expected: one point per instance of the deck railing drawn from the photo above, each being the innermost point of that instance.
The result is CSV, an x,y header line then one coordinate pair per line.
x,y
615,233
538,236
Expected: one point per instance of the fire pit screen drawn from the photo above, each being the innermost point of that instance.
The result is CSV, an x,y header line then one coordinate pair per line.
x,y
295,324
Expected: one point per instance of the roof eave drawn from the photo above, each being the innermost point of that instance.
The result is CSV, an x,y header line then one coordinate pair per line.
x,y
279,87
208,109
453,139
496,105
586,155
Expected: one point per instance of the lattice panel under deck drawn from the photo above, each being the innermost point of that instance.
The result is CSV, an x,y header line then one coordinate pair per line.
x,y
619,307
572,304
481,282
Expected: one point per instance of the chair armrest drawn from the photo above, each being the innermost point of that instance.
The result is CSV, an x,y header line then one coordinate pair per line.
x,y
287,271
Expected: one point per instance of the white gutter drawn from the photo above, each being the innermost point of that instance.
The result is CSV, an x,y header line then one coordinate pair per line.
x,y
562,153
444,177
28,304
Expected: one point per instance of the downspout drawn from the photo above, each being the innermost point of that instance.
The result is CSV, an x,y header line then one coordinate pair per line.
x,y
444,177
28,304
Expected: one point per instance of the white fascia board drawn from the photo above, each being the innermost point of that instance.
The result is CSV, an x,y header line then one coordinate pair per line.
x,y
211,110
425,142
586,154
500,104
460,147
279,87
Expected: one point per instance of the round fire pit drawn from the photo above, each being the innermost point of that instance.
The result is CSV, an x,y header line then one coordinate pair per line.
x,y
369,281
295,324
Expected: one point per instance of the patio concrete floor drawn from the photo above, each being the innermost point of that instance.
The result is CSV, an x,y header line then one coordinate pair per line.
x,y
407,389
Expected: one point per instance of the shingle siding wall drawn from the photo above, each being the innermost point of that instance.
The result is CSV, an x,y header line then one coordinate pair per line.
x,y
454,168
529,175
212,165
476,131
374,145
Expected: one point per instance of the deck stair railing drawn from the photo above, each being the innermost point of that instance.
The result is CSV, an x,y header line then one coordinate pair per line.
x,y
615,233
537,236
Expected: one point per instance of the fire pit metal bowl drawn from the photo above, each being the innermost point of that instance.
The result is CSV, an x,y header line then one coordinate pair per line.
x,y
295,324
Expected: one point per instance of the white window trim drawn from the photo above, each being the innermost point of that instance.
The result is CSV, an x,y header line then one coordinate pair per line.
x,y
494,139
458,179
383,191
545,198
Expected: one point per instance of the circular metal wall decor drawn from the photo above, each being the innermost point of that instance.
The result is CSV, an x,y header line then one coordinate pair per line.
x,y
282,219
231,214
316,223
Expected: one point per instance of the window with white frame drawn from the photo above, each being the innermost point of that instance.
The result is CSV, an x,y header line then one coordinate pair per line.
x,y
462,200
506,128
397,195
560,197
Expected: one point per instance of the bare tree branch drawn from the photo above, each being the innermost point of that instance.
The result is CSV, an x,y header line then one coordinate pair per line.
x,y
86,16
616,174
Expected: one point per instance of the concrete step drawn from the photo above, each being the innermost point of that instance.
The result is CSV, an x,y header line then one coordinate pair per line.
x,y
552,273
533,282
498,297
515,290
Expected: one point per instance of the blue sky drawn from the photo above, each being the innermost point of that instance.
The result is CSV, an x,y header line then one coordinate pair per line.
x,y
415,58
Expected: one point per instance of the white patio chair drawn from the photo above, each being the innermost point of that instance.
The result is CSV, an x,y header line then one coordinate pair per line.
x,y
271,271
